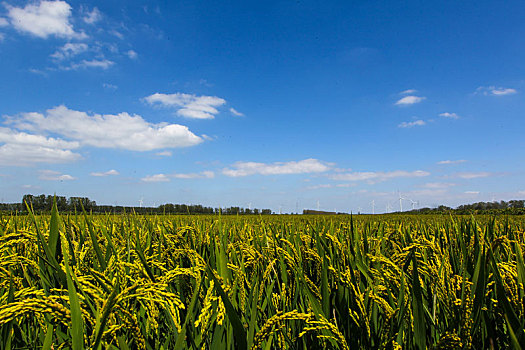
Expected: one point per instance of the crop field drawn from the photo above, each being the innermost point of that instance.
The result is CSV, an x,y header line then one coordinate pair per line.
x,y
73,281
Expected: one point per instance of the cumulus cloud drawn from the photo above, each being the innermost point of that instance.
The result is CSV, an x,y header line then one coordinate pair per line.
x,y
379,176
189,106
122,131
50,175
411,124
236,113
495,91
409,100
449,115
20,149
3,22
446,162
111,172
44,19
69,50
279,168
408,92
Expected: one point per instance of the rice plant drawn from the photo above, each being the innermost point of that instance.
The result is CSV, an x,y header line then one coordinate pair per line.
x,y
261,282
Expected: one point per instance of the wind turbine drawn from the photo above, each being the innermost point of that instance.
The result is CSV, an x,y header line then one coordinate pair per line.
x,y
141,201
318,205
388,208
414,203
373,206
400,201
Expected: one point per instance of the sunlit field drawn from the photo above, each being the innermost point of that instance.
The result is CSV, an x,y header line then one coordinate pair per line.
x,y
271,282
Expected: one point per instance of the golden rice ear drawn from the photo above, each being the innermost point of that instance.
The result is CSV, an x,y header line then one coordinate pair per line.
x,y
238,282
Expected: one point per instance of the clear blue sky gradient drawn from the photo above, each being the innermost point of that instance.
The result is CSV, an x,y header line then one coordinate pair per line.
x,y
320,87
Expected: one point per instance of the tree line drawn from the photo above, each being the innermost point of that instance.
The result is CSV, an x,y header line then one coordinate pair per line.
x,y
43,204
512,207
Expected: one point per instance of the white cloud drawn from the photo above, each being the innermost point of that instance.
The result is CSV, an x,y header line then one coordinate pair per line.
x,y
164,154
449,115
468,176
409,100
123,131
50,175
408,92
92,16
117,34
451,161
95,63
19,155
69,50
374,177
189,106
495,91
132,54
345,185
316,187
201,175
236,113
411,124
320,186
437,185
3,22
502,91
111,172
110,86
44,19
20,149
167,177
156,178
279,168
471,192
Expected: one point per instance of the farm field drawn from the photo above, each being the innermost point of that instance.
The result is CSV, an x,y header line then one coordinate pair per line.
x,y
271,282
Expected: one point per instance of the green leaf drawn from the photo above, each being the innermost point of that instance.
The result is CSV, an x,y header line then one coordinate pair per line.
x,y
77,323
54,235
513,321
418,311
239,332
189,315
94,241
101,323
48,340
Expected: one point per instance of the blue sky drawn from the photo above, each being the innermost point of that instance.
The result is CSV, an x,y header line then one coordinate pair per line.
x,y
283,105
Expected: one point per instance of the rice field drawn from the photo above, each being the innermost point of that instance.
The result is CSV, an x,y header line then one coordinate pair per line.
x,y
261,282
